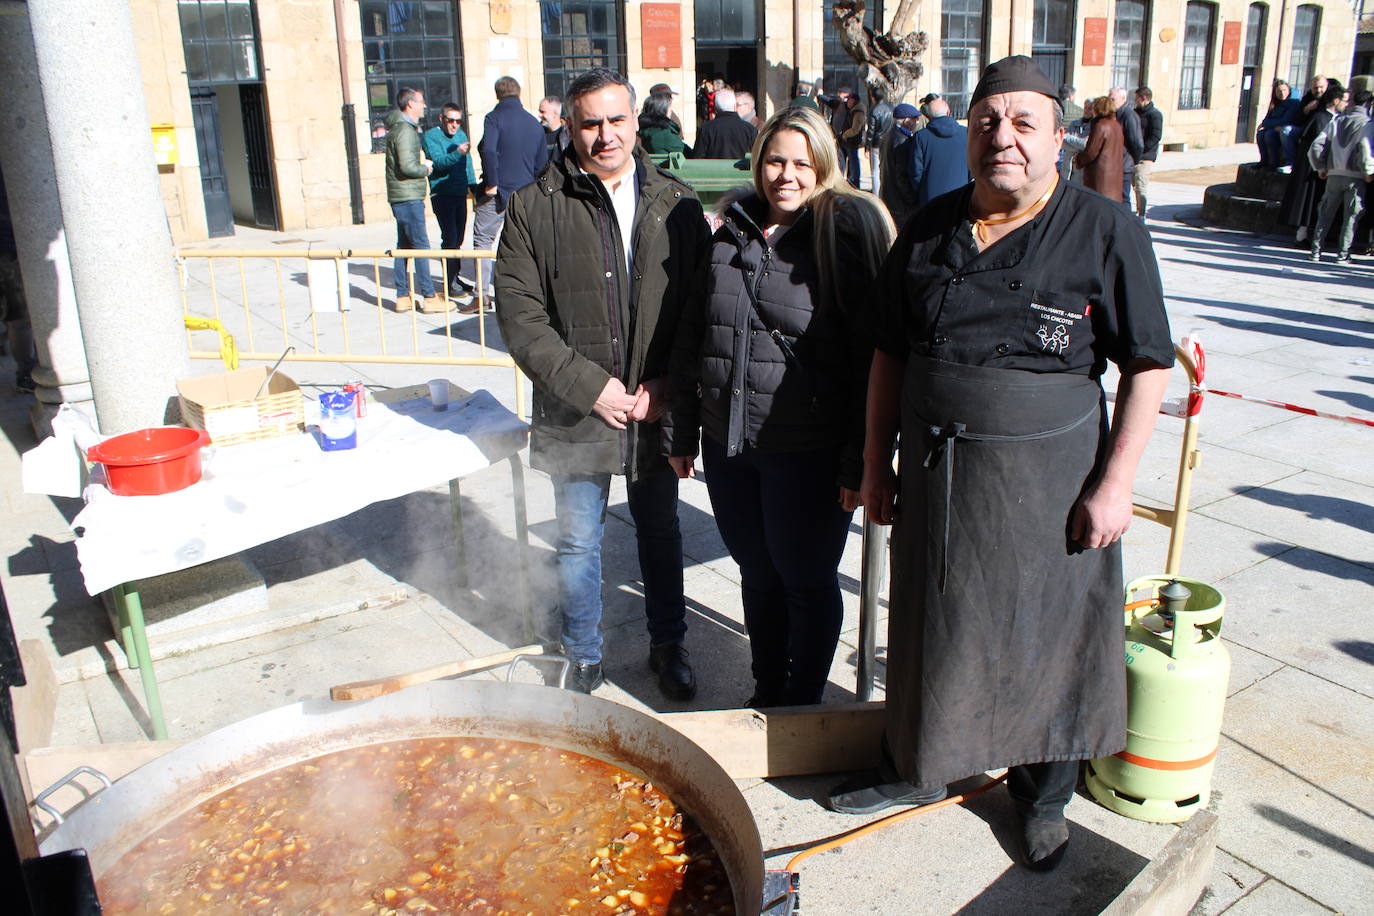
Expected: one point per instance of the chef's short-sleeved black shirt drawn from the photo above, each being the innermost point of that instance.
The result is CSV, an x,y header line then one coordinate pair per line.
x,y
1075,287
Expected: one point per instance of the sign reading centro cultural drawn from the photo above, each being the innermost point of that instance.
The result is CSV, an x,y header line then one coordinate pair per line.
x,y
1094,41
661,35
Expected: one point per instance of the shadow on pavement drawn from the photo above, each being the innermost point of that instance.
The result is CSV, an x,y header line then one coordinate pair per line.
x,y
1349,512
1316,834
1358,649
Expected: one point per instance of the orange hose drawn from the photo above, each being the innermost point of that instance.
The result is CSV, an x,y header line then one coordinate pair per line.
x,y
1143,602
890,820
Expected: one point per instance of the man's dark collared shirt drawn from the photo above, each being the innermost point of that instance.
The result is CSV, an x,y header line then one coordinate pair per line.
x,y
1075,287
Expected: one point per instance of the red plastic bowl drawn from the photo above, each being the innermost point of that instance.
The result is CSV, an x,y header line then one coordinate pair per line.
x,y
147,462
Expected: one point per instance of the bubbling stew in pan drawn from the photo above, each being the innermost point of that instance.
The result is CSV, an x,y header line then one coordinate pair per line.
x,y
429,825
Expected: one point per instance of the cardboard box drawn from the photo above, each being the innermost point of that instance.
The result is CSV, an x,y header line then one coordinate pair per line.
x,y
225,407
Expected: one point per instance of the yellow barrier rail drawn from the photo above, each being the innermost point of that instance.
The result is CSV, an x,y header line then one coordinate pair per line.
x,y
311,309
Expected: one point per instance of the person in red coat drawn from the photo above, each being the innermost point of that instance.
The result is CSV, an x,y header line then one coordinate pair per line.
x,y
1101,159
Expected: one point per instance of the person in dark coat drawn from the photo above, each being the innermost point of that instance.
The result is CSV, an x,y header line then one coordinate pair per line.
x,y
939,155
769,370
727,135
1152,133
1101,159
996,315
1305,188
513,150
897,188
556,134
1132,140
592,275
658,132
1277,134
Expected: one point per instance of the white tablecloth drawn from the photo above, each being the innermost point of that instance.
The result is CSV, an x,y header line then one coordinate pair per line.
x,y
257,492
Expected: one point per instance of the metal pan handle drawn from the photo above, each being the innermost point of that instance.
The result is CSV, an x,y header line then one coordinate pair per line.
x,y
562,661
40,800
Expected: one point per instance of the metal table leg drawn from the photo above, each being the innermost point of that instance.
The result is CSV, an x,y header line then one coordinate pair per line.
x,y
455,501
870,588
130,610
522,540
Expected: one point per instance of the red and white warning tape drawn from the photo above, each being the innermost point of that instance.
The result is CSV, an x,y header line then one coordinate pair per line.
x,y
1199,389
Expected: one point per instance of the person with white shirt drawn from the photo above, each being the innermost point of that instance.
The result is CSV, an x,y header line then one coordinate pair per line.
x,y
592,274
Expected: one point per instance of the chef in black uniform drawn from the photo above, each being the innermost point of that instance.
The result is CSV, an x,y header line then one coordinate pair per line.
x,y
1005,626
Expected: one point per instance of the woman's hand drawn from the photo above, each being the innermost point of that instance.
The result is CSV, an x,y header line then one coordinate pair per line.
x,y
879,492
683,466
850,499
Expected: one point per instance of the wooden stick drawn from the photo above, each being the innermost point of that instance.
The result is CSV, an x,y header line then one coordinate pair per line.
x,y
367,690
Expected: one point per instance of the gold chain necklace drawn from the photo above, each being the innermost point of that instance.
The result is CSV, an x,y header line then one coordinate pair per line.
x,y
980,226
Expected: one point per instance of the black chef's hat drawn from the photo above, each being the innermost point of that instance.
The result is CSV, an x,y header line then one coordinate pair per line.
x,y
1013,74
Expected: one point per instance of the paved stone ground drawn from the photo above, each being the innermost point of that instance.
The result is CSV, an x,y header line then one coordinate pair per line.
x,y
1282,525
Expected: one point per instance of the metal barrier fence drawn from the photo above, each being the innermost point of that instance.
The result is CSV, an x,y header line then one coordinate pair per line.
x,y
310,310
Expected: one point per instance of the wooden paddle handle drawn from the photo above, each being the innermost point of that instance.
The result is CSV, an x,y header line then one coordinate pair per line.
x,y
367,690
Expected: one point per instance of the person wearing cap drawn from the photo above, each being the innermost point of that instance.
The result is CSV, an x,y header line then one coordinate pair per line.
x,y
671,93
896,188
996,314
938,159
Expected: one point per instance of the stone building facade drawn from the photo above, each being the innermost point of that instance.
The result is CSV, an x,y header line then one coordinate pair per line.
x,y
253,91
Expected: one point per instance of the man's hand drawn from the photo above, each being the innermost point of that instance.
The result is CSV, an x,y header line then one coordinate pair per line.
x,y
683,466
614,405
465,147
651,398
850,499
491,191
1101,516
878,492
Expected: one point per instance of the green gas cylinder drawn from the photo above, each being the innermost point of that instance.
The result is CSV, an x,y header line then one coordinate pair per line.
x,y
1176,674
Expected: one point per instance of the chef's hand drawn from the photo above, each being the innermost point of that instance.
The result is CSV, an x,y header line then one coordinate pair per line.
x,y
1101,515
850,499
879,492
683,466
614,404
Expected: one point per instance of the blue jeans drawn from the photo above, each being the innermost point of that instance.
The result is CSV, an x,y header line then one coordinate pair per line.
x,y
1278,145
579,502
780,518
849,159
411,233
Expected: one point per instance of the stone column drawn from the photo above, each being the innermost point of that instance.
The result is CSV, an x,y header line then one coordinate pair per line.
x,y
120,249
31,185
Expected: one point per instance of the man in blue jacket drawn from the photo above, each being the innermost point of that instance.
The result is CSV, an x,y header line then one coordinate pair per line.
x,y
513,152
939,157
448,149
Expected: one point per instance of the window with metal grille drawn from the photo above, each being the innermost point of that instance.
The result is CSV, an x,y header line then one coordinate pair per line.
x,y
1128,44
1254,35
1052,38
410,44
1194,72
962,27
220,40
578,36
1306,30
838,69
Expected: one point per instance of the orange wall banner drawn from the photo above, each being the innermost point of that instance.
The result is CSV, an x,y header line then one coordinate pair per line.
x,y
661,35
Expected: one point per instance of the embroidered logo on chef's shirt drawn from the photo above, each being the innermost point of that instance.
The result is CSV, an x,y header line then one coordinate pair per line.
x,y
1056,341
1055,323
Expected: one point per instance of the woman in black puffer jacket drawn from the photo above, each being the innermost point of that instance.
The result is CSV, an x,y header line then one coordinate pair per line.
x,y
771,370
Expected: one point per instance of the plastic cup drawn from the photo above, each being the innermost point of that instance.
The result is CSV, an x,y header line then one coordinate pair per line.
x,y
438,393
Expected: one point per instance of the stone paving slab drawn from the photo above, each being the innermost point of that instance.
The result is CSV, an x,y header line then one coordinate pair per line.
x,y
1340,450
1231,880
1297,760
1273,898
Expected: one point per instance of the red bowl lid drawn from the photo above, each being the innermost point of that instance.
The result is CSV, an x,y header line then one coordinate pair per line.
x,y
148,446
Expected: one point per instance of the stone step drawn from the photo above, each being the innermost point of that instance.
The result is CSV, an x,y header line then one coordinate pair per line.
x,y
1225,205
1264,184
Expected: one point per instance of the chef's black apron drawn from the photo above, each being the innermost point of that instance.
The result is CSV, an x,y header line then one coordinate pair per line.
x,y
1005,635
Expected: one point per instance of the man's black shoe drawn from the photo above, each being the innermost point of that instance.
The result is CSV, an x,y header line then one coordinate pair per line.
x,y
584,678
1043,842
675,677
876,790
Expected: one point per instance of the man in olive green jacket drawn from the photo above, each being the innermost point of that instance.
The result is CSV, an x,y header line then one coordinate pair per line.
x,y
592,272
407,186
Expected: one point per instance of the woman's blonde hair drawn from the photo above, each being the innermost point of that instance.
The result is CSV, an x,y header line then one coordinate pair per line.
x,y
863,214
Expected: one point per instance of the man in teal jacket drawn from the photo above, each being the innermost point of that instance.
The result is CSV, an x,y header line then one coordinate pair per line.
x,y
406,189
448,149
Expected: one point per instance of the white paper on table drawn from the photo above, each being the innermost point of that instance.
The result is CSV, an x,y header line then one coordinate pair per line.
x,y
57,466
259,491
